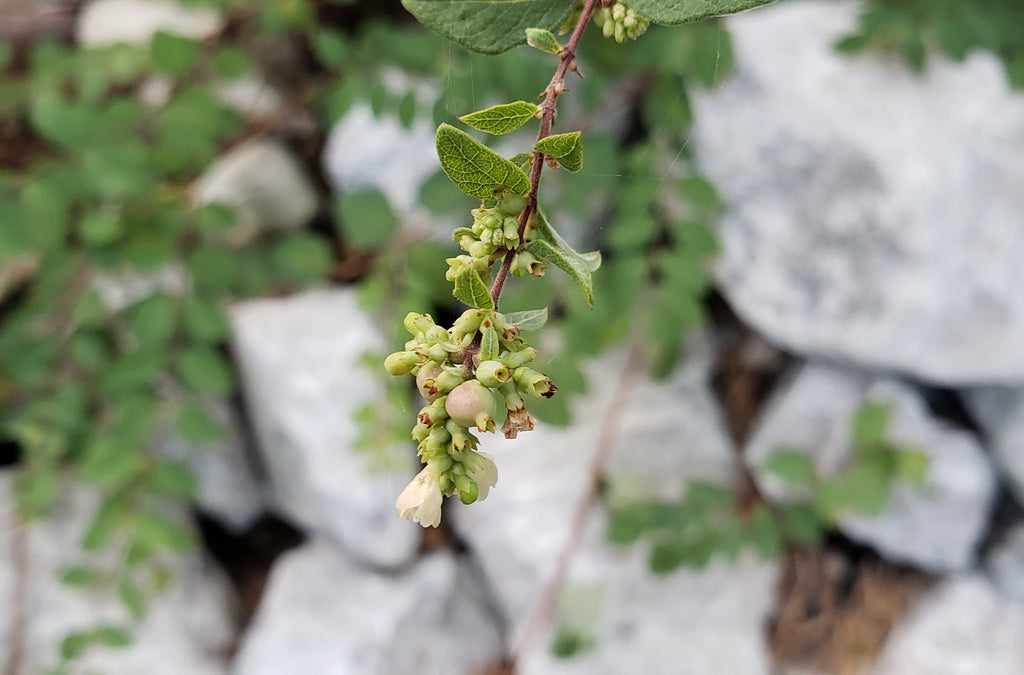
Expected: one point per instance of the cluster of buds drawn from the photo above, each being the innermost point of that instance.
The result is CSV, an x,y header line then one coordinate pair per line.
x,y
463,372
495,231
620,22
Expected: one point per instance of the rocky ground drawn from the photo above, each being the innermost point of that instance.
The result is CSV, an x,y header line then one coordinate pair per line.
x,y
871,248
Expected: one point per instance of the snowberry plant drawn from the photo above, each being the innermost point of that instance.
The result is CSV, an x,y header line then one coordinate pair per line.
x,y
478,371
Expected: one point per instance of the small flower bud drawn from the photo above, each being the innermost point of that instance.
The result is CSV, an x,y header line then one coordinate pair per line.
x,y
471,403
466,488
401,363
420,432
468,323
533,382
461,438
481,469
418,323
519,358
428,372
433,413
493,373
512,204
441,384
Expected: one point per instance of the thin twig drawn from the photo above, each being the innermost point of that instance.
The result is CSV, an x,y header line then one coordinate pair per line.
x,y
566,63
548,602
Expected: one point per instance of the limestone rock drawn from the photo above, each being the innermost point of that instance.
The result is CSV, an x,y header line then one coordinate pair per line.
x,y
860,225
107,22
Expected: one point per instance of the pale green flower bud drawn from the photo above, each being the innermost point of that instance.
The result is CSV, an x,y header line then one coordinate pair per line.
x,y
493,373
519,358
461,438
441,384
512,204
533,382
401,363
471,403
526,262
481,469
433,413
418,323
468,323
420,432
466,488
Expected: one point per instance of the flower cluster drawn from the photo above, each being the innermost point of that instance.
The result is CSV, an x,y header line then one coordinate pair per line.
x,y
495,231
620,22
463,372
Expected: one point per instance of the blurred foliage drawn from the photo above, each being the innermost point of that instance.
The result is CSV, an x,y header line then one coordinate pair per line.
x,y
912,28
706,522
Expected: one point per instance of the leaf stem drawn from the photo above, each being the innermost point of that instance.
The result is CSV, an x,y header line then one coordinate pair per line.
x,y
566,63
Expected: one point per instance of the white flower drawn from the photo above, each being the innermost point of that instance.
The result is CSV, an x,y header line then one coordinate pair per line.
x,y
480,467
420,501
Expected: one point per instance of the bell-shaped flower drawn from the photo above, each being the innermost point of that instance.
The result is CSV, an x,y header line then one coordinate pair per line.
x,y
480,467
420,501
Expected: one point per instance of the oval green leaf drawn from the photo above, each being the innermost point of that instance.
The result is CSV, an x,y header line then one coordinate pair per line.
x,y
566,148
674,12
476,169
501,119
489,26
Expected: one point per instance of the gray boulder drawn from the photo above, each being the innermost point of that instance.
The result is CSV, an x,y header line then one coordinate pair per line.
x,y
323,614
936,528
1005,566
663,436
961,626
265,184
187,629
999,411
860,224
303,382
107,22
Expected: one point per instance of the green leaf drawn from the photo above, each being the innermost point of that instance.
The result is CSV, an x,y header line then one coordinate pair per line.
x,y
476,169
156,530
111,463
330,48
800,522
531,319
566,148
365,218
100,228
231,63
173,53
80,576
154,320
912,466
302,258
570,264
501,119
74,644
113,636
172,479
870,424
791,465
674,12
591,260
471,290
197,426
205,321
204,371
103,525
131,596
489,26
544,40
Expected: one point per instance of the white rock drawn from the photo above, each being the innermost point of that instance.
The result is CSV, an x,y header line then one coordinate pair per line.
x,y
999,412
666,435
363,151
265,184
323,614
251,97
107,22
959,628
1005,566
936,528
303,382
187,629
120,290
860,224
684,623
228,488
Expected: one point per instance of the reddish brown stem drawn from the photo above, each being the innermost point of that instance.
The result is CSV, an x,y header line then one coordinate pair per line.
x,y
566,63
